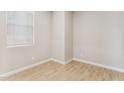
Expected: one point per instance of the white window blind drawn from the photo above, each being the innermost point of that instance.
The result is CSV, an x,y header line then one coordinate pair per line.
x,y
19,28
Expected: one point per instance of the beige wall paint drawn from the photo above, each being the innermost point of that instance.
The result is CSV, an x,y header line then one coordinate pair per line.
x,y
13,58
98,37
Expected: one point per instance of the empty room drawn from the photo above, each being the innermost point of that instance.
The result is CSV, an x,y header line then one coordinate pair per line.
x,y
61,45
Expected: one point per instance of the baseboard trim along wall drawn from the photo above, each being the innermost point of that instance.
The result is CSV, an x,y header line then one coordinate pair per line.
x,y
99,65
58,61
4,75
61,62
68,61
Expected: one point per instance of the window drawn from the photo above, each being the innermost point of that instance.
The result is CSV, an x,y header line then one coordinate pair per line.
x,y
19,28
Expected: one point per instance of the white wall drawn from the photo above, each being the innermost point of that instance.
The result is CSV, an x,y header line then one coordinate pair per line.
x,y
68,35
2,40
21,56
58,35
62,36
99,37
93,36
53,38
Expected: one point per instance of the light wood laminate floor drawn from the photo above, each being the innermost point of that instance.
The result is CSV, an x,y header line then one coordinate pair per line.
x,y
74,71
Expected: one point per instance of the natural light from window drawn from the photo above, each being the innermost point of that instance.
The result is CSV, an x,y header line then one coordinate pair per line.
x,y
19,28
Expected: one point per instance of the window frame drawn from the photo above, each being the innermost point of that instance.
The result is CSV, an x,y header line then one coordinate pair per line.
x,y
33,34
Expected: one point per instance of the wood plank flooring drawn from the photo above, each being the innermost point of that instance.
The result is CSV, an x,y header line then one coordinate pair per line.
x,y
74,71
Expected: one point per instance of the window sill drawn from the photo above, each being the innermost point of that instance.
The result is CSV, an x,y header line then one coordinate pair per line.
x,y
17,46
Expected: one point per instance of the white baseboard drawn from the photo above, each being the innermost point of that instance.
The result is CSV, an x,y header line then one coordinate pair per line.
x,y
99,65
58,61
68,61
4,75
61,62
